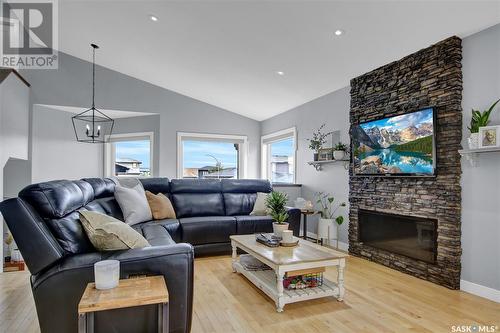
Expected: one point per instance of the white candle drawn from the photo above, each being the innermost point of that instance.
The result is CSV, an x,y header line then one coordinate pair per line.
x,y
107,274
287,236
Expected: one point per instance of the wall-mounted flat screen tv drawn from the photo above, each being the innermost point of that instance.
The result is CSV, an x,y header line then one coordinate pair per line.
x,y
401,145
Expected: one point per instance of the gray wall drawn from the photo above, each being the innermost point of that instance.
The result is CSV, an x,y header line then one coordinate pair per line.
x,y
332,109
140,125
14,128
16,175
70,86
55,152
481,185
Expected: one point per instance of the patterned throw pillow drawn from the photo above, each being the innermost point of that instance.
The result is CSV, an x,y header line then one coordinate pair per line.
x,y
108,234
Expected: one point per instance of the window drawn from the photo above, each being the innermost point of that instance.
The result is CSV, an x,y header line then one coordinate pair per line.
x,y
278,156
211,156
129,155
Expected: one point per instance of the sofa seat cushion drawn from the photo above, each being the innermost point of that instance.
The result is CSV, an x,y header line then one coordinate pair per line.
x,y
250,224
156,234
207,229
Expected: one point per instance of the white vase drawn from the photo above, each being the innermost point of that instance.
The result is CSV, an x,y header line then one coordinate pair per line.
x,y
324,228
278,228
338,154
473,141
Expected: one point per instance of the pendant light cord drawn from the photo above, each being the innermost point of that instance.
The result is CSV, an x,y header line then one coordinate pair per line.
x,y
94,46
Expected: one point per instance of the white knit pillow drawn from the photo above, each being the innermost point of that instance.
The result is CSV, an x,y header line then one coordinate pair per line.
x,y
134,204
259,207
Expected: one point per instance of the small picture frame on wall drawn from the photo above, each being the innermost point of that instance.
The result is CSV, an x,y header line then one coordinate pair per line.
x,y
489,137
325,154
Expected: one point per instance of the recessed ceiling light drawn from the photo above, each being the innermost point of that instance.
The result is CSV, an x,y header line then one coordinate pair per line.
x,y
280,73
339,32
153,18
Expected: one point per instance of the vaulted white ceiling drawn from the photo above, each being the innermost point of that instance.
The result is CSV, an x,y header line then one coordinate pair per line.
x,y
227,53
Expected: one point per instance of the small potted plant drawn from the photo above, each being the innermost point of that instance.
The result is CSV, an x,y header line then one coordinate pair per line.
x,y
479,119
318,140
339,151
328,210
276,205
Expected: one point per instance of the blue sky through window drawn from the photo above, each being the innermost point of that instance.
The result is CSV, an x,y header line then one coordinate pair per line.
x,y
282,148
137,150
196,154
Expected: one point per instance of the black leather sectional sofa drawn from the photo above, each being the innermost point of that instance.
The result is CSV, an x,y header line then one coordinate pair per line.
x,y
44,223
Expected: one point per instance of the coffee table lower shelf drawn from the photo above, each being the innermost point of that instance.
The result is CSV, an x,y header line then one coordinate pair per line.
x,y
267,282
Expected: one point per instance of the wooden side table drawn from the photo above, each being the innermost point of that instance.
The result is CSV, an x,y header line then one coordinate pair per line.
x,y
130,292
306,213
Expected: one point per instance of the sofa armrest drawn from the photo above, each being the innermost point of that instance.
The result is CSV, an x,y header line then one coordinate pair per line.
x,y
294,220
58,290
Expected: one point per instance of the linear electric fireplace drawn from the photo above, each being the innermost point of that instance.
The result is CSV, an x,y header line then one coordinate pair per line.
x,y
414,237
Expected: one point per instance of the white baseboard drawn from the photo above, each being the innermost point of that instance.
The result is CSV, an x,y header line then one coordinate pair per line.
x,y
342,246
481,291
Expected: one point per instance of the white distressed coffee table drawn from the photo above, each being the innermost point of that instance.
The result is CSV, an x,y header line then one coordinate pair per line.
x,y
306,255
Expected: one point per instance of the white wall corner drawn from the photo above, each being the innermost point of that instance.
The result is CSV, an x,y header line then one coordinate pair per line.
x,y
481,291
343,246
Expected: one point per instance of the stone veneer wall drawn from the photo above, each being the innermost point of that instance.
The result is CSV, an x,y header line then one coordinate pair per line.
x,y
429,77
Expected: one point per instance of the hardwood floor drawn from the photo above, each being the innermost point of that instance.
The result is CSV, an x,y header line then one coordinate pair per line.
x,y
377,299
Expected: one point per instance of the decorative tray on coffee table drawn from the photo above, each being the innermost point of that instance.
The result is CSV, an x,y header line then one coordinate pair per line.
x,y
292,244
273,241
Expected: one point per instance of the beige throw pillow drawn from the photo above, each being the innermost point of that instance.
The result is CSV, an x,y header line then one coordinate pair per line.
x,y
134,205
259,207
160,205
108,234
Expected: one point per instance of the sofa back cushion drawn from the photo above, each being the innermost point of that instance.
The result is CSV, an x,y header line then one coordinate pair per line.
x,y
57,203
57,198
197,197
103,187
240,194
156,185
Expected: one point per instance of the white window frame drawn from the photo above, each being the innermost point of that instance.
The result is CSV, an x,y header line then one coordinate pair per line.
x,y
110,152
267,140
242,152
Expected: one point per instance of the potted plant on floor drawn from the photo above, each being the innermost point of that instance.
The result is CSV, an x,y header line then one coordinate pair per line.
x,y
318,140
479,119
276,205
339,151
327,210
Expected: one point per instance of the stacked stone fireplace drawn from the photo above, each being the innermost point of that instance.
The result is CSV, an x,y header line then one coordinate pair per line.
x,y
431,77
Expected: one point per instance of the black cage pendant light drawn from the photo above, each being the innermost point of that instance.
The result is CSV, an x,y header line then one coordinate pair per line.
x,y
92,126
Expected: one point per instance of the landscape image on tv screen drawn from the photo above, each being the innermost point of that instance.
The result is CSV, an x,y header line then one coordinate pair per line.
x,y
399,145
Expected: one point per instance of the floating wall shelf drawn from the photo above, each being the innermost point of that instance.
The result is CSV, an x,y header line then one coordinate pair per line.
x,y
318,165
471,155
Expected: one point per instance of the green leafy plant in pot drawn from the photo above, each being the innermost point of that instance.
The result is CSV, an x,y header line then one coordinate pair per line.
x,y
479,119
318,140
329,218
339,151
276,205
